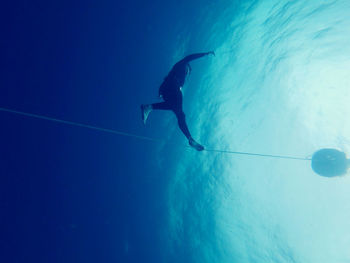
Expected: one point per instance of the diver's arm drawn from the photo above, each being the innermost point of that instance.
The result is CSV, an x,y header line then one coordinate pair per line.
x,y
196,56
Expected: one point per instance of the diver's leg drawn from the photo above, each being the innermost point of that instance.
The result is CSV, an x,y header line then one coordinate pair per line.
x,y
181,119
167,95
161,106
147,108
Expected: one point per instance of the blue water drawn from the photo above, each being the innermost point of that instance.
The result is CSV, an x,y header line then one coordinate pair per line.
x,y
277,85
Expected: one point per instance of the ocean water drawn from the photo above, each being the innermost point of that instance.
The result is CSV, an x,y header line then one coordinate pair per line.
x,y
279,85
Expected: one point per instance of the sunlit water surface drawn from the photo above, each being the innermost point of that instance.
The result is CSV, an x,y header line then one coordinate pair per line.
x,y
279,84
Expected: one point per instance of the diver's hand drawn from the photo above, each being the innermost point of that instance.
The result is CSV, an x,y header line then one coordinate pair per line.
x,y
211,53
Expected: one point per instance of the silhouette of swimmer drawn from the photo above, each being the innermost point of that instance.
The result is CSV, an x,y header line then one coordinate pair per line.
x,y
330,162
170,91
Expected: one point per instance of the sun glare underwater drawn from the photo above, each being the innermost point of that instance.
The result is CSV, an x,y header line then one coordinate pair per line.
x,y
279,85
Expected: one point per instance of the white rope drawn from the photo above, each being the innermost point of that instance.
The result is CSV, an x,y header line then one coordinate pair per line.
x,y
126,134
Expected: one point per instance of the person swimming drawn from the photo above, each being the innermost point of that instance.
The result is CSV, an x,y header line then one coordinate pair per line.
x,y
170,92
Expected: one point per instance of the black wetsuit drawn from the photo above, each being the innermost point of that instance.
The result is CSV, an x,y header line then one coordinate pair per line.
x,y
171,93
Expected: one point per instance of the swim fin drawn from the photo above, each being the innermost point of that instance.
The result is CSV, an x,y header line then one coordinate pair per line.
x,y
145,111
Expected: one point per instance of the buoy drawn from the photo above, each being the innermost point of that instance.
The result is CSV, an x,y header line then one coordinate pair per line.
x,y
330,162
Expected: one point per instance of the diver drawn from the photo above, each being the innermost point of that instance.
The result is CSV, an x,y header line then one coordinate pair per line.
x,y
170,92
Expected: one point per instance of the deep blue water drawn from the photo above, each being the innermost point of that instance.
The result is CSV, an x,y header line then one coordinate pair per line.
x,y
278,85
